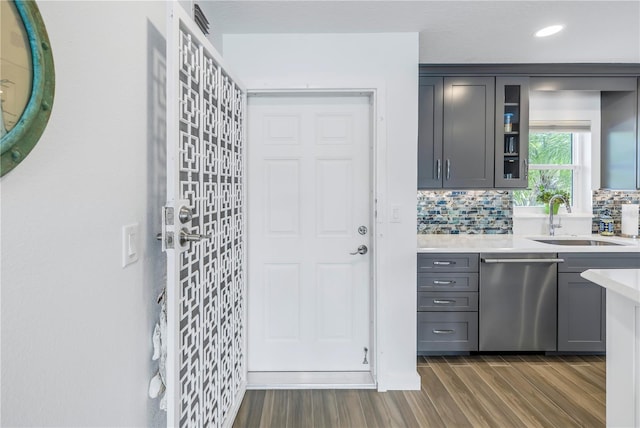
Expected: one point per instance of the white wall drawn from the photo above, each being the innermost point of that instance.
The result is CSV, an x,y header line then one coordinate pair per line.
x,y
76,326
391,61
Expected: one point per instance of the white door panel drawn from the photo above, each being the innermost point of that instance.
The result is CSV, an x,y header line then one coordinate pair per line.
x,y
282,197
309,192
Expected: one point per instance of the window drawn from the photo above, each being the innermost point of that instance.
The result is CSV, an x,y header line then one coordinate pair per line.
x,y
559,159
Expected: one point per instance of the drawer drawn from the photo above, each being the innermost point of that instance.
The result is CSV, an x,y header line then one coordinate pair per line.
x,y
451,262
579,262
436,281
443,301
447,331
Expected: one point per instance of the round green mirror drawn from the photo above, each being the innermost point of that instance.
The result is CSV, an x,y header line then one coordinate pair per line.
x,y
27,80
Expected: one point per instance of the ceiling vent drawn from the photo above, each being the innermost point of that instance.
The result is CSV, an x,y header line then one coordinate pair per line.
x,y
201,19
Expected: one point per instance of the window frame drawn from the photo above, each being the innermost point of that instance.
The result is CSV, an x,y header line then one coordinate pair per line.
x,y
580,159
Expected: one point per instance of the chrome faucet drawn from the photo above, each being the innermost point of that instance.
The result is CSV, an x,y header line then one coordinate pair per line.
x,y
553,227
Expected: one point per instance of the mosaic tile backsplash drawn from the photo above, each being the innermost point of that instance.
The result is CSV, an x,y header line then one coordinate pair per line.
x,y
465,212
610,201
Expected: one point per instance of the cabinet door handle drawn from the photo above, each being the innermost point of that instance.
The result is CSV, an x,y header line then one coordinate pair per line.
x,y
448,168
443,331
444,263
443,302
526,169
438,169
438,282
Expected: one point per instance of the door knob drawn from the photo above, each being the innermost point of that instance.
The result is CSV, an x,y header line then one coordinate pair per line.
x,y
362,249
185,236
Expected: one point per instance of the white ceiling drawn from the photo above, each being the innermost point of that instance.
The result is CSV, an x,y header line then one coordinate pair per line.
x,y
477,31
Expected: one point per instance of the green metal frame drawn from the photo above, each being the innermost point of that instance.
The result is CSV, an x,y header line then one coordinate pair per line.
x,y
21,139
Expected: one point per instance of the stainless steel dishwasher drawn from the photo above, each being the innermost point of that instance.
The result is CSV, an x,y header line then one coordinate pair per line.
x,y
518,302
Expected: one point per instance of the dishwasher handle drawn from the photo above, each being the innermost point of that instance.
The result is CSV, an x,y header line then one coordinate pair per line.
x,y
522,260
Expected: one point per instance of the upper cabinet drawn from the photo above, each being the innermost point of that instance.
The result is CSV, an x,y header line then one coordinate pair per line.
x,y
619,106
474,131
430,101
468,137
512,132
456,132
619,152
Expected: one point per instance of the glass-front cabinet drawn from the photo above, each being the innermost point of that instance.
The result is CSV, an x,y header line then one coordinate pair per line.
x,y
512,132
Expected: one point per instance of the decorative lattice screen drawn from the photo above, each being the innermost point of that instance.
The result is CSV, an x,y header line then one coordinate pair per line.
x,y
212,297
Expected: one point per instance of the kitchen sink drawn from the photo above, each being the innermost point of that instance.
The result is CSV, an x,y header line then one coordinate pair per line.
x,y
575,242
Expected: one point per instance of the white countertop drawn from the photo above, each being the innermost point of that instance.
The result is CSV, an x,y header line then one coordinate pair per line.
x,y
520,243
623,281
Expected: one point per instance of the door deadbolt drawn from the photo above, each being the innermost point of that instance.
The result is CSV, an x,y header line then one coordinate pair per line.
x,y
362,230
185,215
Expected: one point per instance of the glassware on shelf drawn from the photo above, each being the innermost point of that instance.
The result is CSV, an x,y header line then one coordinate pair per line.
x,y
507,122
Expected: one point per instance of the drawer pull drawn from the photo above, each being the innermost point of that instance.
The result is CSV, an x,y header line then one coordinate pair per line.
x,y
438,282
444,263
443,302
443,331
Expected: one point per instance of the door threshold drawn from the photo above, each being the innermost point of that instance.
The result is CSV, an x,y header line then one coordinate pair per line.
x,y
310,380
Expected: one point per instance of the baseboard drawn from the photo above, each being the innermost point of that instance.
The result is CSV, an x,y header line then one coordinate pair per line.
x,y
310,380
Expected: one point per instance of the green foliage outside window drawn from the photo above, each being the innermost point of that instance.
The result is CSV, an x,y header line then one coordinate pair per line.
x,y
547,148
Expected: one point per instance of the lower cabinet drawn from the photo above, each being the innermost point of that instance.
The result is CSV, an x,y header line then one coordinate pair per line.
x,y
581,303
447,331
581,314
447,303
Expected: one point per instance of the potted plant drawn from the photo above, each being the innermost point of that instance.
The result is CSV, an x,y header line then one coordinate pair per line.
x,y
544,195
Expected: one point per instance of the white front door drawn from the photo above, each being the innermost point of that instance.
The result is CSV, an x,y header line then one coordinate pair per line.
x,y
309,208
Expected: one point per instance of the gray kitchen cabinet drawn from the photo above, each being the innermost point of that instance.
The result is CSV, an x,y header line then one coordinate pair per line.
x,y
447,281
430,100
579,262
512,138
447,332
449,310
453,262
581,314
468,137
582,304
619,144
447,303
456,132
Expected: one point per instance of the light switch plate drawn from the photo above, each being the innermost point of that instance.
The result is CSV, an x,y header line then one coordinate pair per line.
x,y
130,243
395,214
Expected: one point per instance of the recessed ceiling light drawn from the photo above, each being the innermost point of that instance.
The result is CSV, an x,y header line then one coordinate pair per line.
x,y
547,31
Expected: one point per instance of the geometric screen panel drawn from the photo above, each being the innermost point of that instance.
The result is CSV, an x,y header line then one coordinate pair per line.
x,y
212,288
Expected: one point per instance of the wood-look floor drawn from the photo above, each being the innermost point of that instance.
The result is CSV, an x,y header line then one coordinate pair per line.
x,y
476,391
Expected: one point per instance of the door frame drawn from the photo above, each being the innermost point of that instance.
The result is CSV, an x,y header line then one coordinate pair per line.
x,y
375,90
